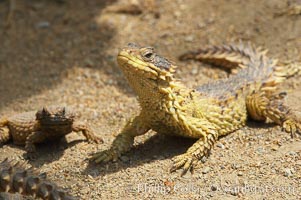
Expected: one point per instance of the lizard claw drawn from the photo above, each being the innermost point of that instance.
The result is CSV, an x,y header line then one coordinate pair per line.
x,y
185,161
292,127
105,156
96,140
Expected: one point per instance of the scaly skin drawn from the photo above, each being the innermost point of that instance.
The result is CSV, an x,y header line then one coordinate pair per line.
x,y
10,196
15,178
49,123
213,110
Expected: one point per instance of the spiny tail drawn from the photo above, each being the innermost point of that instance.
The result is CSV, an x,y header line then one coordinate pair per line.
x,y
227,56
268,73
253,60
16,178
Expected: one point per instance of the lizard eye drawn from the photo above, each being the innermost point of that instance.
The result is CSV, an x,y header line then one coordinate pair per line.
x,y
148,53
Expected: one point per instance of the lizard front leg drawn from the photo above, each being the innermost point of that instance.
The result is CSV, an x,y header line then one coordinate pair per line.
x,y
208,135
34,137
196,152
87,132
124,140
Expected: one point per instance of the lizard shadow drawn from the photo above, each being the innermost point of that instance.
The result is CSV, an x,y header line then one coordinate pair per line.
x,y
166,148
256,124
47,152
52,151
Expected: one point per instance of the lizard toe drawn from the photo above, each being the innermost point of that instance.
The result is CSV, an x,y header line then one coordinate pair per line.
x,y
292,127
104,156
185,161
189,165
178,162
96,140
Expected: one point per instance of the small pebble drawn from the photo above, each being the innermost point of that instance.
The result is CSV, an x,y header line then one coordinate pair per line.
x,y
201,25
206,170
234,192
89,63
213,188
110,82
43,24
204,159
240,173
177,14
275,148
189,38
220,145
194,71
288,172
292,153
260,150
235,166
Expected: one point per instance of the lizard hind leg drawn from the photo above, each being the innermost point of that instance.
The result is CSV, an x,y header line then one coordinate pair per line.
x,y
261,107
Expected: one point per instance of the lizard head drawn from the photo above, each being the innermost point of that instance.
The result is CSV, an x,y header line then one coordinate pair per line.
x,y
55,115
145,60
144,68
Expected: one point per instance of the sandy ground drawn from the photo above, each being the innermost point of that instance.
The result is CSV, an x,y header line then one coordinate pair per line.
x,y
63,52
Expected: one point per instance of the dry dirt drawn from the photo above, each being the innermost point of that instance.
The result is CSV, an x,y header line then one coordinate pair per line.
x,y
63,52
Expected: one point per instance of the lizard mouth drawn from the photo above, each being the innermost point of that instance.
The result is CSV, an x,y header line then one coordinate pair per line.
x,y
56,121
130,62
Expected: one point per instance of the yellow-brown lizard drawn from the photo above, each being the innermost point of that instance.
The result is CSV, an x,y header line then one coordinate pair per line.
x,y
208,112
